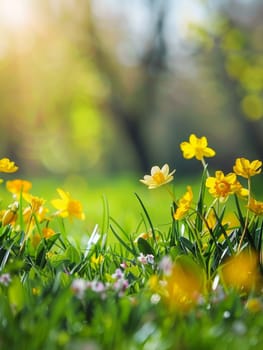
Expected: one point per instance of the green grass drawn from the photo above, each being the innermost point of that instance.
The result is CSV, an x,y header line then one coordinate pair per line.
x,y
117,193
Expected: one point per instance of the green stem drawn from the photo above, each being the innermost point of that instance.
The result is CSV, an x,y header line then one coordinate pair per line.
x,y
247,217
205,167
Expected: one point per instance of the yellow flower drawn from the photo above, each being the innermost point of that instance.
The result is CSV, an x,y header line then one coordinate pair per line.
x,y
35,291
36,206
239,189
245,168
36,203
7,166
241,271
221,186
143,235
229,220
10,215
255,206
182,288
97,260
48,232
254,305
184,204
158,177
196,147
17,186
68,207
35,240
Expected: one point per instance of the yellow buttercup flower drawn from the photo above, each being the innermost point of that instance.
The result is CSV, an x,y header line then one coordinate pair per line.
x,y
7,166
17,186
36,203
255,206
67,206
221,186
245,168
184,204
158,177
48,232
196,147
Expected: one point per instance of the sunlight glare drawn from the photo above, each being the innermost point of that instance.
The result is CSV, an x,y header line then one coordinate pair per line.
x,y
15,14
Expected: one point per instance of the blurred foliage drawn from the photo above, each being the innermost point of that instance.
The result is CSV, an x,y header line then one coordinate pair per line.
x,y
105,86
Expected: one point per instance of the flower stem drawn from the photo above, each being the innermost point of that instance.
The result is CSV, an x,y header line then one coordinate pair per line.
x,y
247,217
205,167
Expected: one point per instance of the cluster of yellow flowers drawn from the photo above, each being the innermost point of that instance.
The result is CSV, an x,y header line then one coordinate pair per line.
x,y
219,186
35,211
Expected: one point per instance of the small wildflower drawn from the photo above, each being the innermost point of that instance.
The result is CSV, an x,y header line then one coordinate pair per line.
x,y
67,206
254,305
255,206
184,204
120,286
150,259
142,259
158,177
97,286
5,279
155,298
123,265
246,169
146,259
166,265
196,147
79,286
18,186
7,166
118,274
35,291
221,186
97,260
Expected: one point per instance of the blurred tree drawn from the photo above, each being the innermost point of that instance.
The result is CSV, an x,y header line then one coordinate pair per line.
x,y
82,90
231,45
131,105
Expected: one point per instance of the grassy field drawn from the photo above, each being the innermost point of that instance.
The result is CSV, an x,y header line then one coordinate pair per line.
x,y
117,193
182,286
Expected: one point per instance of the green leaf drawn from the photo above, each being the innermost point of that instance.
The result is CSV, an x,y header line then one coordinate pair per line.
x,y
147,216
133,251
200,203
72,254
145,247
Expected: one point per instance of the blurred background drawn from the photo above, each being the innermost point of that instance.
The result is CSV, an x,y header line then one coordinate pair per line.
x,y
104,87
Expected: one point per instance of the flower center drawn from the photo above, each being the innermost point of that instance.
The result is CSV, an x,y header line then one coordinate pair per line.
x,y
159,177
222,188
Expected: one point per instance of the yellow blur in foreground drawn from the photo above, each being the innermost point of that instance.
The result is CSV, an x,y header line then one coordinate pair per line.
x,y
241,272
